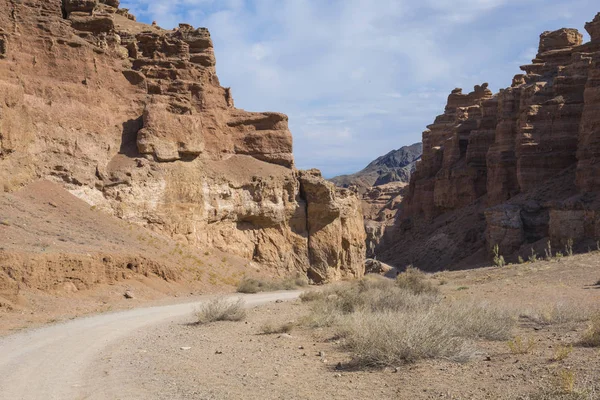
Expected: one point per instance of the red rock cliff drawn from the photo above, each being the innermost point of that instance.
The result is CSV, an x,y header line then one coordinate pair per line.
x,y
132,119
512,168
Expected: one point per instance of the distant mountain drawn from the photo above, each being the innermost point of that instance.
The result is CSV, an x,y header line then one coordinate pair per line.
x,y
395,166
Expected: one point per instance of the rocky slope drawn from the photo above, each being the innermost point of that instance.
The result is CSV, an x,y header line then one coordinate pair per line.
x,y
395,166
132,119
514,168
382,186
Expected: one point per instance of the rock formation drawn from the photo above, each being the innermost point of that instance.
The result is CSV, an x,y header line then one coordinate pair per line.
x,y
382,185
132,119
514,168
395,166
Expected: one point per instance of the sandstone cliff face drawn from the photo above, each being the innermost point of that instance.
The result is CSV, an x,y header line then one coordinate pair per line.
x,y
508,163
132,119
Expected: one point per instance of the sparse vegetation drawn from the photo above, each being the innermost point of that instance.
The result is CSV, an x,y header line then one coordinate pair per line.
x,y
591,337
559,390
269,329
255,285
533,256
548,251
383,322
521,346
498,258
221,309
520,260
561,353
414,280
311,295
569,248
565,381
558,313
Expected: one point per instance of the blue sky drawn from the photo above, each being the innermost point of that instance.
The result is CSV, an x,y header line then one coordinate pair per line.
x,y
359,78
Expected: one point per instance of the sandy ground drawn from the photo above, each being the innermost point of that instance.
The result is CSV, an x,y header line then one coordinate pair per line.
x,y
53,362
155,353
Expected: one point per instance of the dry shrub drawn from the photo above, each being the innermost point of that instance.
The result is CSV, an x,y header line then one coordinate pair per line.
x,y
221,309
269,329
390,338
591,337
415,281
371,294
254,285
564,385
311,295
561,353
521,346
436,331
558,313
386,323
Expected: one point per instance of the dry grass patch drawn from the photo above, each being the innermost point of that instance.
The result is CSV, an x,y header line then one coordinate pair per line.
x,y
558,313
311,295
415,281
383,322
520,345
221,309
564,386
270,329
561,353
591,337
255,285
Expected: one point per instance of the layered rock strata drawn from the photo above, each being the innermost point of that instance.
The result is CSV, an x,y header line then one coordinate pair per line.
x,y
524,160
132,119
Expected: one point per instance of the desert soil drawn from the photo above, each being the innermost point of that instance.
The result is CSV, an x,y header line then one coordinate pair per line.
x,y
156,353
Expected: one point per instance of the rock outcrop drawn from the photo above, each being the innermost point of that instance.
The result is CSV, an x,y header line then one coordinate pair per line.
x,y
132,119
395,166
519,167
382,186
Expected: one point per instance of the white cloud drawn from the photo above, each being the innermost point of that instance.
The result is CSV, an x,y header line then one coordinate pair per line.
x,y
361,77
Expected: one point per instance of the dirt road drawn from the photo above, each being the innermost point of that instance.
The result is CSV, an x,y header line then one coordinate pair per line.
x,y
49,363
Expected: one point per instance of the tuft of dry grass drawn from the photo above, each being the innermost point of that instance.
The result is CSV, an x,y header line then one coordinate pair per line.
x,y
269,329
311,295
591,337
520,345
558,313
561,353
221,309
254,285
564,385
391,338
383,323
415,280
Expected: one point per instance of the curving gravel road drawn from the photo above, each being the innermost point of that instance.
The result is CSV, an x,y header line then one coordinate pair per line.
x,y
49,363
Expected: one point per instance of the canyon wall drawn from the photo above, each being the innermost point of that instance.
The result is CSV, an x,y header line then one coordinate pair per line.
x,y
132,119
516,168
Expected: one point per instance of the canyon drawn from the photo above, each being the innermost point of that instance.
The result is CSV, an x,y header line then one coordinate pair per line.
x,y
131,119
516,169
381,186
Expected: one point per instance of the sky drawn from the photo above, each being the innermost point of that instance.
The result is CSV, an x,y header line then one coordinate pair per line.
x,y
359,78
